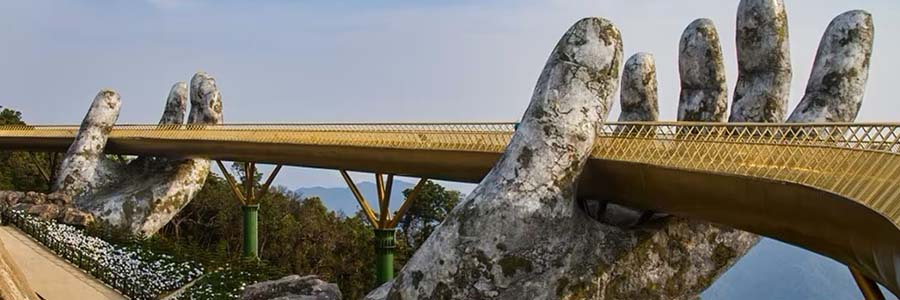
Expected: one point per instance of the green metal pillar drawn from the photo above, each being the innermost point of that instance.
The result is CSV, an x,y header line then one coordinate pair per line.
x,y
384,251
251,237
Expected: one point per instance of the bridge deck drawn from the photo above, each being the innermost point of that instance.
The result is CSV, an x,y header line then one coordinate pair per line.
x,y
830,188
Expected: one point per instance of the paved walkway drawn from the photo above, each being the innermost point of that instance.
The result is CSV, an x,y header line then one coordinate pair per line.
x,y
50,276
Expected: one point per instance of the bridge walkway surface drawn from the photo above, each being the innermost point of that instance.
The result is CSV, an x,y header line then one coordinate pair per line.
x,y
51,277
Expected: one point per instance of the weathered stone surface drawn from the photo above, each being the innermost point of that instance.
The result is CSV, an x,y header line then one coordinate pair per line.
x,y
639,95
293,287
176,104
206,100
764,62
54,206
44,211
148,192
666,257
74,216
78,172
838,80
672,258
513,236
703,88
60,199
11,197
35,198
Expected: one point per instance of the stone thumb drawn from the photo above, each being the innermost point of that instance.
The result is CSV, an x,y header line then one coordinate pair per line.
x,y
78,170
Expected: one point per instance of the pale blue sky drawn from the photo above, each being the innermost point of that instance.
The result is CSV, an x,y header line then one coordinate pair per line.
x,y
363,61
355,61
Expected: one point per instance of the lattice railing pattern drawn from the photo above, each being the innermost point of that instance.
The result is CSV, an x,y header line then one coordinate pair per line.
x,y
857,161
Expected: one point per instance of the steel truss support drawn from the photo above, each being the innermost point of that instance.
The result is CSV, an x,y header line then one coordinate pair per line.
x,y
867,286
384,223
49,174
249,199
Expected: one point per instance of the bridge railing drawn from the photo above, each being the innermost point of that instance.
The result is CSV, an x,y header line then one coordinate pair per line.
x,y
879,137
857,161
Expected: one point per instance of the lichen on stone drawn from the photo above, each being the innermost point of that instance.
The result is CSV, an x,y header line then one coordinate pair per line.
x,y
764,63
639,89
81,169
837,83
703,88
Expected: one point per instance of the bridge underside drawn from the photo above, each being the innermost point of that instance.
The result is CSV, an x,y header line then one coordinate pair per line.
x,y
817,220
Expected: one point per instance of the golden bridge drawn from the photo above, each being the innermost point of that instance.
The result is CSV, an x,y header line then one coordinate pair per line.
x,y
831,188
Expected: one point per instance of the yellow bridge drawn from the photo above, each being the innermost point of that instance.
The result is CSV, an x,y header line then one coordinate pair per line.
x,y
831,188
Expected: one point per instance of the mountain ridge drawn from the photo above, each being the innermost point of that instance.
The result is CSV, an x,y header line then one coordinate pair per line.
x,y
340,199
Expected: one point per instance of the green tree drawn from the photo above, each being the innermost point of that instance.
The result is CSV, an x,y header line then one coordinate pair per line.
x,y
22,170
10,117
211,220
302,236
299,235
431,206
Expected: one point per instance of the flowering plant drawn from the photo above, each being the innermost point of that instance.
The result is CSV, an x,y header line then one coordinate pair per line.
x,y
137,273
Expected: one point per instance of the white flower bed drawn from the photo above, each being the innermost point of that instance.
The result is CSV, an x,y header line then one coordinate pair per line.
x,y
137,273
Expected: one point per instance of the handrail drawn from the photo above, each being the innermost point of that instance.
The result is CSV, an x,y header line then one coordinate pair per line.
x,y
856,162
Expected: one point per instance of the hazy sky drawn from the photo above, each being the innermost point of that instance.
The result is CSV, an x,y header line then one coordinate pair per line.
x,y
355,61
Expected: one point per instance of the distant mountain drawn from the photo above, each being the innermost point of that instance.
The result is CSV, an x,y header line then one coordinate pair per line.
x,y
775,270
341,199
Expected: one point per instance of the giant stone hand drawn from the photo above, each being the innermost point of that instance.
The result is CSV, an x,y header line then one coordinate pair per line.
x,y
684,256
144,194
519,235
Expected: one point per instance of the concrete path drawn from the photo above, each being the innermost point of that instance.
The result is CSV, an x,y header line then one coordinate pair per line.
x,y
50,276
13,285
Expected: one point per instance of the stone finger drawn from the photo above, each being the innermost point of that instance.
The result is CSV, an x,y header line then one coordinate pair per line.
x,y
206,100
639,100
639,89
703,89
78,170
836,86
764,62
176,105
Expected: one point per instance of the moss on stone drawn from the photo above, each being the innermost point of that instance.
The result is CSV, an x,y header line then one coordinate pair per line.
x,y
442,292
511,264
561,285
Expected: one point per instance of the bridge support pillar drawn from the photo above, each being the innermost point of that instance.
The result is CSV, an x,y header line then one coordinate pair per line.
x,y
384,224
867,286
384,254
249,199
251,233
